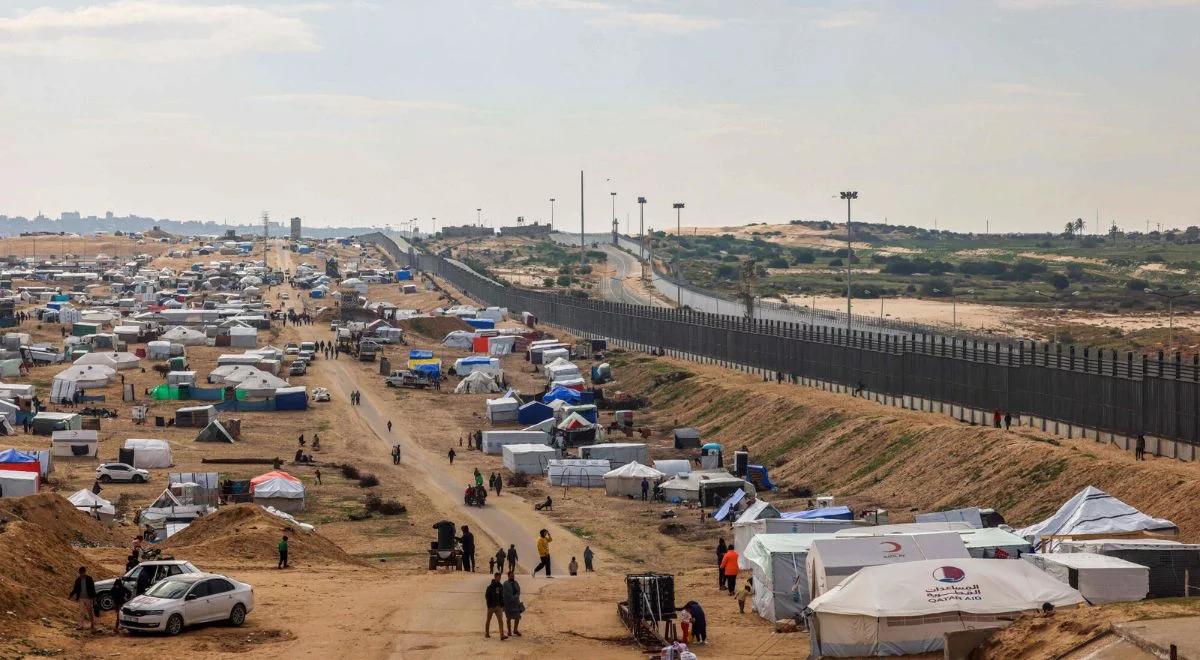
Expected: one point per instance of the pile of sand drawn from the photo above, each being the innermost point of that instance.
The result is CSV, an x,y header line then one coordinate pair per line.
x,y
1052,637
37,569
247,531
58,517
434,327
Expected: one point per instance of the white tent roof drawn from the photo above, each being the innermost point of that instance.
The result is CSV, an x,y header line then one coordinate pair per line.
x,y
120,360
634,470
477,382
975,586
261,383
232,374
1092,511
87,375
574,420
89,502
279,487
185,336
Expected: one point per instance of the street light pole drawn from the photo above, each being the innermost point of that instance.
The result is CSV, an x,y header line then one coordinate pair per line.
x,y
678,206
848,196
642,225
582,242
1170,310
615,226
551,214
1056,297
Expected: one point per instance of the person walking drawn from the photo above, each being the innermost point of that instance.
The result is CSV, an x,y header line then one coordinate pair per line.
x,y
494,597
543,550
120,594
511,555
699,623
513,607
996,417
721,550
318,476
645,488
1139,451
729,568
1007,420
451,455
499,483
283,552
588,555
84,591
468,549
478,478
499,560
573,567
389,426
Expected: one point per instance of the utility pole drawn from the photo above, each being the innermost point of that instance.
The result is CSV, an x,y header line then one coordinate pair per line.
x,y
678,206
266,220
615,226
849,195
582,241
642,224
551,214
478,216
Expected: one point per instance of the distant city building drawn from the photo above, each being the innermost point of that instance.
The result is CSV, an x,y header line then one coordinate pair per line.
x,y
526,230
295,229
69,216
466,231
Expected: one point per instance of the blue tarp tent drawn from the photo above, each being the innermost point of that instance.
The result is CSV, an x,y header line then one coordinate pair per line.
x,y
316,293
404,275
291,398
431,369
18,456
481,324
534,412
418,354
827,513
567,394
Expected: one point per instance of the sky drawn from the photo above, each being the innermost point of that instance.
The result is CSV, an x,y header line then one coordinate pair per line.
x,y
1019,113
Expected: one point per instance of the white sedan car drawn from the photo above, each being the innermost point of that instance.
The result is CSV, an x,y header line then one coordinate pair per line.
x,y
121,472
185,600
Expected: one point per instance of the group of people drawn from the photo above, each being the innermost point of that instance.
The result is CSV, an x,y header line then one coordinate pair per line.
x,y
504,603
356,398
1002,417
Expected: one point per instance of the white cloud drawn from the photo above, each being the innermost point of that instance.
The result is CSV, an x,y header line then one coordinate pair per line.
x,y
155,30
846,19
657,21
1036,5
358,105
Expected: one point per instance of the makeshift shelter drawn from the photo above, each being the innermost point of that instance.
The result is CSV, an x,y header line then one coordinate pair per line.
x,y
1093,513
195,416
93,505
617,453
627,479
149,453
291,398
574,421
777,562
493,442
79,444
80,377
527,458
889,610
115,360
833,560
8,410
823,513
22,461
503,409
232,374
503,345
278,489
559,393
184,336
469,365
577,472
673,466
1100,578
708,487
215,432
10,368
16,390
45,423
158,350
477,382
687,438
534,412
17,483
1172,565
459,339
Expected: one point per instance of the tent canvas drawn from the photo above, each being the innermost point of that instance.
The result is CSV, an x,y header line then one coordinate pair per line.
x,y
1171,564
115,360
527,458
832,561
16,483
477,382
578,472
214,432
673,466
503,409
80,443
823,513
617,453
493,442
1100,578
93,505
278,489
907,609
627,479
184,336
969,515
777,562
745,532
149,453
534,412
687,438
1092,513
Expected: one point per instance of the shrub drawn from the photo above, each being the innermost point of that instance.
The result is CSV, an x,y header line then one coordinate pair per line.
x,y
349,471
517,481
368,480
377,504
1059,281
803,256
1136,284
563,280
777,262
835,263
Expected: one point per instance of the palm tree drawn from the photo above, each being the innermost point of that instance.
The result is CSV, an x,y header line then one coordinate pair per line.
x,y
1079,224
1069,230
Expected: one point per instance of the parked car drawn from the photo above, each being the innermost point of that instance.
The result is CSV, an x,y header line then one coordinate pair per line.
x,y
320,394
298,368
161,569
121,472
186,600
291,349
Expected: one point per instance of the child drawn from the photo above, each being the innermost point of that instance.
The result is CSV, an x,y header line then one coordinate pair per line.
x,y
685,626
491,565
746,592
573,567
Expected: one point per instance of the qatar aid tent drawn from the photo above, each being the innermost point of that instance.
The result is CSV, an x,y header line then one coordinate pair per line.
x,y
906,609
232,374
278,489
627,479
116,360
744,532
93,505
777,562
1093,513
832,561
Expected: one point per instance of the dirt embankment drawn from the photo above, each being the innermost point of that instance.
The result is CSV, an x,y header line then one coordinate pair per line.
x,y
867,454
58,517
246,531
435,327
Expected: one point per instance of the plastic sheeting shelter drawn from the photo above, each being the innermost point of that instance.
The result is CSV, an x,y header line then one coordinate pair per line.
x,y
577,472
291,398
566,394
888,610
46,423
93,505
149,453
214,432
673,466
744,532
1171,564
527,458
708,487
195,416
534,412
459,339
1093,513
278,489
687,438
627,479
465,366
1101,579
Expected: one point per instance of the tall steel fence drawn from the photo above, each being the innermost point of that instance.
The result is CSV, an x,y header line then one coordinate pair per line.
x,y
1101,389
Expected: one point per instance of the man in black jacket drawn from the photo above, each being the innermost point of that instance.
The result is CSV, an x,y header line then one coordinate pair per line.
x,y
468,549
84,591
495,607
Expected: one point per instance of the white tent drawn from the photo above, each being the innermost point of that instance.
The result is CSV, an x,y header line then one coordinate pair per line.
x,y
745,531
563,373
578,472
710,487
79,377
470,365
503,409
906,609
1100,578
561,361
617,453
969,515
181,378
501,345
1093,512
494,441
527,459
149,453
477,382
93,505
15,483
459,339
907,528
673,466
261,384
627,479
833,560
552,355
232,374
115,360
777,562
14,390
8,410
185,336
280,492
574,421
78,443
158,350
546,425
244,337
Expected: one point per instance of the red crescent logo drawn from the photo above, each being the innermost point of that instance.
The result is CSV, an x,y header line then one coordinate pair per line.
x,y
895,546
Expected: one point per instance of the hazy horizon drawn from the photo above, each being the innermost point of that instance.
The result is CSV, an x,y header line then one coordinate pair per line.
x,y
1026,113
